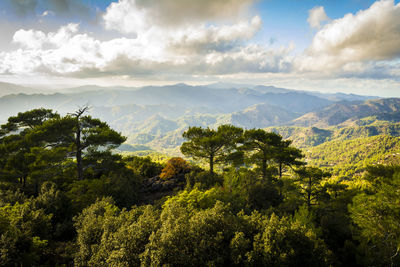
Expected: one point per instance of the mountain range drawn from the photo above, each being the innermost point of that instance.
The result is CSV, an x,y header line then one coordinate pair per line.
x,y
154,117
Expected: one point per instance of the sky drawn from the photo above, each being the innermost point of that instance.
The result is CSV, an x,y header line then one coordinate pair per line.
x,y
348,46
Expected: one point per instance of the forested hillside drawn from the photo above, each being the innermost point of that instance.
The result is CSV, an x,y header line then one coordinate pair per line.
x,y
155,117
305,137
351,157
247,197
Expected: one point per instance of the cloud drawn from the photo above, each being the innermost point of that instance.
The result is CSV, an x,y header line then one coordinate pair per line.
x,y
316,16
138,16
250,59
47,13
209,45
184,26
369,35
371,70
31,39
192,38
203,38
67,52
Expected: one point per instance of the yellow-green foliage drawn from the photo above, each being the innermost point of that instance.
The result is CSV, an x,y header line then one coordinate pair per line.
x,y
349,158
197,199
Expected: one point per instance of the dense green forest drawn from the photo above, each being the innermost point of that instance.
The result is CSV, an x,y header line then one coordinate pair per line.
x,y
306,137
238,198
350,158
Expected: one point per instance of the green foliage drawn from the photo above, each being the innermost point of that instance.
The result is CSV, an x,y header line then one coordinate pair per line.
x,y
16,157
24,231
350,158
310,179
197,199
303,136
288,243
254,192
144,166
215,146
94,221
123,187
200,238
196,228
109,236
11,197
306,137
291,215
37,143
203,179
377,215
266,149
259,146
53,201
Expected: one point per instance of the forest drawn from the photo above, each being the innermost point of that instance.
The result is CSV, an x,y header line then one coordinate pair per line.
x,y
236,197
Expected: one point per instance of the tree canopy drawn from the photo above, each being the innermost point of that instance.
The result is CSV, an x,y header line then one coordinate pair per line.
x,y
215,146
67,198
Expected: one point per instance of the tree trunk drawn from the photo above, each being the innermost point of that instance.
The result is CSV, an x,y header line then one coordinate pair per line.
x,y
78,143
79,153
309,193
264,168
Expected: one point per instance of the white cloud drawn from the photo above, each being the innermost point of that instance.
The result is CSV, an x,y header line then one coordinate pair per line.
x,y
212,37
203,50
252,58
138,16
316,16
369,35
193,46
154,45
63,35
29,39
183,25
47,13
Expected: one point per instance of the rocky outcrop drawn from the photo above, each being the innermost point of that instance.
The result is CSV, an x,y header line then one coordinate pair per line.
x,y
156,188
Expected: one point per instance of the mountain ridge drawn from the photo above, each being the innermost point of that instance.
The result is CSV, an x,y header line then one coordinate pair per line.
x,y
343,111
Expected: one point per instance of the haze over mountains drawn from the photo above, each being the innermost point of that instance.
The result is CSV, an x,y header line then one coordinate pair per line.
x,y
155,116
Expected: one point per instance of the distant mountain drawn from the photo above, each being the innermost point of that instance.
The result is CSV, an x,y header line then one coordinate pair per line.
x,y
260,116
157,125
345,112
154,117
223,85
91,88
305,137
160,133
343,97
186,98
273,89
12,104
9,88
